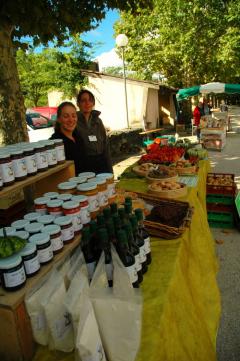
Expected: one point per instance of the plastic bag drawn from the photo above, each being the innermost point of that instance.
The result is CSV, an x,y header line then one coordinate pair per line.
x,y
118,311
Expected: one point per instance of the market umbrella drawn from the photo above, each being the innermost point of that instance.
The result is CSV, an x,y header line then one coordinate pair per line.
x,y
214,87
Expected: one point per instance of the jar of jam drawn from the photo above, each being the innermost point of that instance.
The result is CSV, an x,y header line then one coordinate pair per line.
x,y
46,219
65,197
67,231
90,190
9,231
18,163
72,209
1,182
84,208
40,205
6,169
30,259
12,273
34,227
67,187
51,153
54,207
20,224
87,175
51,195
60,152
32,216
55,235
41,156
22,234
30,159
44,247
78,180
110,186
102,191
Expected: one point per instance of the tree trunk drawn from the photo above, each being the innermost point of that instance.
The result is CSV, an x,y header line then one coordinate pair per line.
x,y
13,127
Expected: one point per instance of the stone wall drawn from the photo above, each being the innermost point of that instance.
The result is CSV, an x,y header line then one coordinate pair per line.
x,y
126,141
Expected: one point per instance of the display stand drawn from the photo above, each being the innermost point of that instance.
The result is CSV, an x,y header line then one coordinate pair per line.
x,y
213,138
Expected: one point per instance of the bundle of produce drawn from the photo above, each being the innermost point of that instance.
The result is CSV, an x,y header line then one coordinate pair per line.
x,y
10,244
184,166
162,154
161,173
195,152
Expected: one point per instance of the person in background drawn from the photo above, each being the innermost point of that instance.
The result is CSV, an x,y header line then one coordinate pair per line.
x,y
93,134
65,129
197,113
223,106
205,107
210,106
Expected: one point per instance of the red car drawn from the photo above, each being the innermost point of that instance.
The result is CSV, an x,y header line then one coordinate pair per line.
x,y
49,112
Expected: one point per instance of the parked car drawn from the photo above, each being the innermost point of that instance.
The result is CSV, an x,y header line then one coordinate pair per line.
x,y
39,127
49,112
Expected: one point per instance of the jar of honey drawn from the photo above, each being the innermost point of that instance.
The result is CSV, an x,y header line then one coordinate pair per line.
x,y
90,190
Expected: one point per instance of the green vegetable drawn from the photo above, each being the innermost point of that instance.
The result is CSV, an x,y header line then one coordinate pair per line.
x,y
10,244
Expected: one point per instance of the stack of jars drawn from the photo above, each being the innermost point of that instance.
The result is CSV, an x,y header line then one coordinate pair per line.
x,y
21,160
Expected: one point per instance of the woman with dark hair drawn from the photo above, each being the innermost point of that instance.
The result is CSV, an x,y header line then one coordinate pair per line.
x,y
65,129
93,134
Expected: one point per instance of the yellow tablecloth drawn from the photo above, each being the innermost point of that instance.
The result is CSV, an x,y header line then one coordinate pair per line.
x,y
181,298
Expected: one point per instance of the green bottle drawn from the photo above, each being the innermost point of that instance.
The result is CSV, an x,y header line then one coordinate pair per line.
x,y
117,222
140,242
107,213
100,221
126,257
114,208
111,232
106,248
88,252
145,235
94,239
122,215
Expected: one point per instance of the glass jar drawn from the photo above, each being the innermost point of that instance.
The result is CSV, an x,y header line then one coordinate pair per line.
x,y
87,175
67,230
102,191
30,160
67,187
9,231
44,247
51,153
20,224
110,185
65,197
34,227
6,169
54,207
40,205
30,259
1,182
78,180
60,151
41,156
12,273
55,236
46,219
90,190
18,163
22,234
51,195
32,216
84,208
72,209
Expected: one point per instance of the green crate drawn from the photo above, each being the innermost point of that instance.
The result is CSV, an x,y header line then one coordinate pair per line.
x,y
220,199
220,216
220,224
147,142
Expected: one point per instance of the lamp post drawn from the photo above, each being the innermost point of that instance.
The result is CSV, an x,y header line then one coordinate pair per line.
x,y
122,41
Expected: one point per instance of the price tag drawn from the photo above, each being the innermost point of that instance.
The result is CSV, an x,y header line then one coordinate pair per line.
x,y
92,138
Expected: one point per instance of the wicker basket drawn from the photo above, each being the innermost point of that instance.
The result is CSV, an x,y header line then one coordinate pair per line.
x,y
169,193
169,179
137,169
186,170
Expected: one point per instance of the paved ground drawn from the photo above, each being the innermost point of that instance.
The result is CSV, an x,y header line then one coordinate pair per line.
x,y
227,248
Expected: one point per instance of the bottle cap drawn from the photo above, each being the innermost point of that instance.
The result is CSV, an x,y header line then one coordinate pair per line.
x,y
139,214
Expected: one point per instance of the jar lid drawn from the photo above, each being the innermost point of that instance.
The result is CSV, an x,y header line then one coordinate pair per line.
x,y
16,151
78,180
32,216
28,148
70,205
87,187
9,230
21,223
38,145
65,197
22,234
28,249
46,219
52,229
80,198
67,185
54,203
40,238
63,220
10,262
51,195
4,155
87,175
41,200
97,180
34,227
47,142
105,175
57,141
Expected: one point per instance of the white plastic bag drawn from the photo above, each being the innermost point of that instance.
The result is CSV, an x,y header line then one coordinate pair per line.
x,y
118,311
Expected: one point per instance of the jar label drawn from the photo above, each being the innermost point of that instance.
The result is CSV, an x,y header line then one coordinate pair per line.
x,y
143,257
45,254
60,153
147,246
102,201
32,265
67,234
76,221
42,210
93,203
138,262
19,167
132,273
85,215
41,160
111,190
31,164
55,213
57,243
15,278
109,271
51,156
91,269
7,172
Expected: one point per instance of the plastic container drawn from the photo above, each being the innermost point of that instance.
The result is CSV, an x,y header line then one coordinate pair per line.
x,y
44,247
40,205
46,219
20,224
54,207
60,152
72,209
41,156
34,227
51,195
32,216
87,175
12,273
90,190
67,187
102,191
18,164
6,169
65,197
84,208
67,230
110,185
54,231
30,259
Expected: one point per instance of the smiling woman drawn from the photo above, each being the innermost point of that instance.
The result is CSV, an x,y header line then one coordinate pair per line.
x,y
65,129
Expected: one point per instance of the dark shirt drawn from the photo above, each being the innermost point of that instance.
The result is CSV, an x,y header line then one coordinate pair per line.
x,y
73,150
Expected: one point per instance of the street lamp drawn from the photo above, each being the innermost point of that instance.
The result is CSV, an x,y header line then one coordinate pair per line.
x,y
122,41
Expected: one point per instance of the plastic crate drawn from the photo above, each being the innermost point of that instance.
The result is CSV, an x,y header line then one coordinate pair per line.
x,y
220,219
219,208
229,190
221,224
220,199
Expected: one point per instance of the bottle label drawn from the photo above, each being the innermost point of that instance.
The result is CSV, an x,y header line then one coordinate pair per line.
x,y
32,265
7,172
85,215
93,203
102,199
67,234
76,221
143,257
31,164
138,264
111,190
147,246
16,278
109,271
45,254
19,167
132,273
91,269
57,243
60,153
41,160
